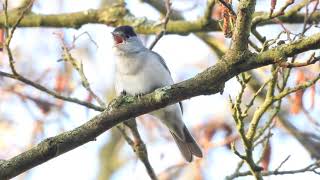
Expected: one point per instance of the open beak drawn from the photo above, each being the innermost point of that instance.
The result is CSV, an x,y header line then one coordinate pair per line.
x,y
117,38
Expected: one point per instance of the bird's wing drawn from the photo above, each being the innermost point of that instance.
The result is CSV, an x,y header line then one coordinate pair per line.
x,y
163,63
181,107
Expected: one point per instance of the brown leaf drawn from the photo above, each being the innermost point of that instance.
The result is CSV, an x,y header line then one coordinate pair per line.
x,y
297,102
297,99
1,39
300,77
273,6
89,98
312,95
266,157
61,83
226,23
217,12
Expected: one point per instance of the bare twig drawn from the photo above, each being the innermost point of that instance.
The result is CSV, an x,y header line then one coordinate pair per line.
x,y
25,4
51,92
10,34
283,8
271,98
251,102
282,163
17,76
310,168
237,171
75,38
79,68
308,16
260,19
23,12
140,148
165,22
311,60
125,135
287,91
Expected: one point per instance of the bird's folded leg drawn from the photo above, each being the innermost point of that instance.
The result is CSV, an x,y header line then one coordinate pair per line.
x,y
123,93
139,95
116,102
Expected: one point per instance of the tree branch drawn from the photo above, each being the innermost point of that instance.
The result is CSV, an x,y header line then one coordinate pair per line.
x,y
241,32
165,22
118,15
113,16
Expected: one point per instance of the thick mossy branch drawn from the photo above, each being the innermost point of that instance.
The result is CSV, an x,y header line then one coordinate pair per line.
x,y
118,15
113,16
241,32
205,83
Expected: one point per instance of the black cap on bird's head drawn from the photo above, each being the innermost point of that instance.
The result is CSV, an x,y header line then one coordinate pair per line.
x,y
122,33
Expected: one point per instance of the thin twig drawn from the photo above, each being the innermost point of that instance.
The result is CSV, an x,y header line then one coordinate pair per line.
x,y
311,60
75,38
51,92
15,25
261,19
140,148
164,28
310,168
251,102
282,163
125,135
10,34
17,76
287,91
237,170
79,68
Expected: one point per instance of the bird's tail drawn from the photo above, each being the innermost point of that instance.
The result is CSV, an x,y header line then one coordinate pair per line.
x,y
188,146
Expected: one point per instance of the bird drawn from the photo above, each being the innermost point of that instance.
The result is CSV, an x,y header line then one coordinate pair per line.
x,y
139,71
